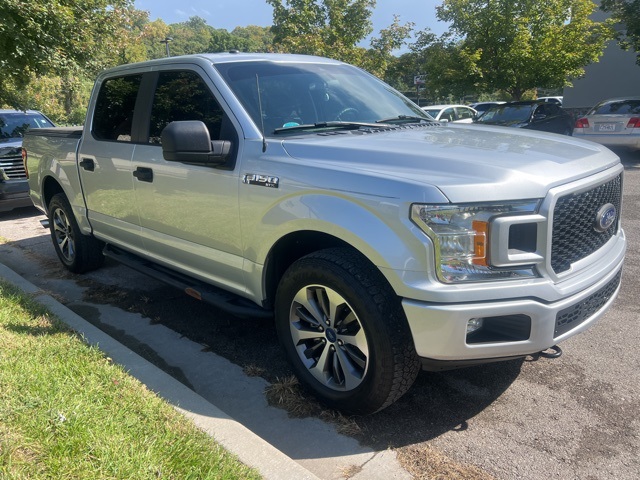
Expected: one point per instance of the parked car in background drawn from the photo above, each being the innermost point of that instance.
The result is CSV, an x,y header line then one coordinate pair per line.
x,y
14,188
614,123
451,113
534,115
557,100
482,107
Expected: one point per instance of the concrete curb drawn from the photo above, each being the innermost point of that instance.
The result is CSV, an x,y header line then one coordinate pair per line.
x,y
237,439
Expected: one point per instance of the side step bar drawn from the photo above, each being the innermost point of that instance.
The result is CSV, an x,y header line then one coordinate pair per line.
x,y
229,302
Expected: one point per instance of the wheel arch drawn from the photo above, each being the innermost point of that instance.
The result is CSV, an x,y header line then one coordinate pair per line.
x,y
297,245
290,248
50,187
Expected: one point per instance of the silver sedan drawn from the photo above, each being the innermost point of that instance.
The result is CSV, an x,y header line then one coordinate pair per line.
x,y
614,123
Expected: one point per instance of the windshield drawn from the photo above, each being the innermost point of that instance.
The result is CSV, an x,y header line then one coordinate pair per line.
x,y
507,114
14,125
294,94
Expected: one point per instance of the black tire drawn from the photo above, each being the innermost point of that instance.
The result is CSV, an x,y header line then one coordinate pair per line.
x,y
361,360
78,253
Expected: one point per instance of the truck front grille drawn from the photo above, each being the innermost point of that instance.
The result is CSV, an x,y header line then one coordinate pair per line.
x,y
12,166
574,315
574,217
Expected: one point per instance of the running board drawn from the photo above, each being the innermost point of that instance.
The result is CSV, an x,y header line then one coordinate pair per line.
x,y
229,302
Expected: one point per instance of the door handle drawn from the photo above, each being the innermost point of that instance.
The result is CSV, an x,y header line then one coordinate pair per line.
x,y
88,164
143,174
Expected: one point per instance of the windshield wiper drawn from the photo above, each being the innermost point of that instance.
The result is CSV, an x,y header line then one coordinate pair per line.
x,y
333,124
405,118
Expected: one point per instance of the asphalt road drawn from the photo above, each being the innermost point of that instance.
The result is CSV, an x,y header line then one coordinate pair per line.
x,y
572,417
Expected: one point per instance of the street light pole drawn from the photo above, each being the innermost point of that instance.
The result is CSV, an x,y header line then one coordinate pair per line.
x,y
166,44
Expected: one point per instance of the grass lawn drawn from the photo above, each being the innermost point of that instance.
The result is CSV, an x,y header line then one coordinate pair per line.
x,y
66,411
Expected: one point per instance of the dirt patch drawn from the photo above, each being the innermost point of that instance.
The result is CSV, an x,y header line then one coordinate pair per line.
x,y
427,463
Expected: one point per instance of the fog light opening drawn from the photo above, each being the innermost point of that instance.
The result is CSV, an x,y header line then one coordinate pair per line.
x,y
503,328
474,324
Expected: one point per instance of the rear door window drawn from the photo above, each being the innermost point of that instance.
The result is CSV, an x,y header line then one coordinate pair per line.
x,y
113,115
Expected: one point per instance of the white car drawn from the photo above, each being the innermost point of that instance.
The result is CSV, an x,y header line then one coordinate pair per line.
x,y
482,107
451,113
614,123
556,100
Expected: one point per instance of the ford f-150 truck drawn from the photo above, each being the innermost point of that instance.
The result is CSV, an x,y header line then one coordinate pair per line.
x,y
306,190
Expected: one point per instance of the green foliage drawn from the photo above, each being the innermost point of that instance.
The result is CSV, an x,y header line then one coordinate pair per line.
x,y
626,12
380,56
517,45
154,33
449,71
333,28
192,36
53,37
330,28
259,39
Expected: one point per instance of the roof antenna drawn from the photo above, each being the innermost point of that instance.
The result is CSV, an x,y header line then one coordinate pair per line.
x,y
264,140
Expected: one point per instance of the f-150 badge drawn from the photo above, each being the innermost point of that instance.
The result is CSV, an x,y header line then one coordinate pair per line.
x,y
262,180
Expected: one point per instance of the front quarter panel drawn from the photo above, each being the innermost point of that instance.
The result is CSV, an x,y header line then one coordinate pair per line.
x,y
323,199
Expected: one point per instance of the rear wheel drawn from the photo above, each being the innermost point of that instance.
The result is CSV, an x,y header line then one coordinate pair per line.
x,y
79,253
344,331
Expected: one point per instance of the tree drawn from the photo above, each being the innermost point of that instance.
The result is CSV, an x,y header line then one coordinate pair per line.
x,y
128,42
43,37
330,28
380,56
223,41
155,33
259,39
627,13
192,36
448,69
517,45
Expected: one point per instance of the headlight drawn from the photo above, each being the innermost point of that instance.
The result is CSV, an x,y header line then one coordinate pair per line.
x,y
460,234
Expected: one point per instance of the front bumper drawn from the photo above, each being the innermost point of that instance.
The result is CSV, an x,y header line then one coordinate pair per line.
x,y
440,330
14,194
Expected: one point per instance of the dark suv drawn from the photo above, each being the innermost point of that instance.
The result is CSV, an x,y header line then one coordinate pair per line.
x,y
534,115
14,189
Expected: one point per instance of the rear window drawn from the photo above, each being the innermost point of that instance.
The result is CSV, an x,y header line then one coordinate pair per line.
x,y
617,107
14,125
113,116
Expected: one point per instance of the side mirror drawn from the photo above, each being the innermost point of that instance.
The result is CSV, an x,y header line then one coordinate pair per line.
x,y
538,117
189,142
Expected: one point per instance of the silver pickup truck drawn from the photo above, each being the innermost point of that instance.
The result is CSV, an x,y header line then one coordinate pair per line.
x,y
304,189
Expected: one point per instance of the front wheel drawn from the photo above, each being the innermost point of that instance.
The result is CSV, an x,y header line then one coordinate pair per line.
x,y
344,331
78,253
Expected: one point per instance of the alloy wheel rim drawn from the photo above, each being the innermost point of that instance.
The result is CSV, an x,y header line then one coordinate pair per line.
x,y
329,338
64,235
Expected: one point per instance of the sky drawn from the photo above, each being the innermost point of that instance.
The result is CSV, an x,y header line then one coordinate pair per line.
x,y
229,14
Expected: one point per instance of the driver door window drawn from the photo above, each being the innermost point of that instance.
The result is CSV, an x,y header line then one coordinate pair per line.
x,y
183,95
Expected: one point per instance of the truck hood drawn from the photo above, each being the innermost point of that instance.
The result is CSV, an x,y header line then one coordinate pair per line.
x,y
11,147
467,163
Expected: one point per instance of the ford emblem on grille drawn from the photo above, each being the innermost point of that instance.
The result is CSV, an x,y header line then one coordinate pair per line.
x,y
605,217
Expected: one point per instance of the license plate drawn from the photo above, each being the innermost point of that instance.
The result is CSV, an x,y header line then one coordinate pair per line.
x,y
607,127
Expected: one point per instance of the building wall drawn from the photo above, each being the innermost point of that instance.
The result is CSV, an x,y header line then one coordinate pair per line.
x,y
615,75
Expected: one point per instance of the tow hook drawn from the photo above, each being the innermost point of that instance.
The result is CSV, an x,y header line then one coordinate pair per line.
x,y
551,352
